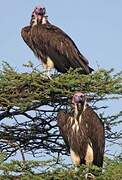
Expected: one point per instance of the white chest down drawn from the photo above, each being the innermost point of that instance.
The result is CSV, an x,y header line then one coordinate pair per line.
x,y
75,157
49,64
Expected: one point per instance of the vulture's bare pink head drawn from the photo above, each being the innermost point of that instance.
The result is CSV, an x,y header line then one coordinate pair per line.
x,y
78,98
38,14
39,10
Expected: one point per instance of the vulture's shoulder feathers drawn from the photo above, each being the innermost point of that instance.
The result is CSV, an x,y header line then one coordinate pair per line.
x,y
59,47
62,118
25,33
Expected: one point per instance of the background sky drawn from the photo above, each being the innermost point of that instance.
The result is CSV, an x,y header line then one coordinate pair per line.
x,y
95,26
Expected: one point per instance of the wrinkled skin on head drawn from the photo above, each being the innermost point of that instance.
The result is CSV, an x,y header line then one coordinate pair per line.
x,y
37,14
39,10
78,100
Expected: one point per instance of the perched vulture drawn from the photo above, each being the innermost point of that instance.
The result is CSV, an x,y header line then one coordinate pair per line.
x,y
83,132
52,45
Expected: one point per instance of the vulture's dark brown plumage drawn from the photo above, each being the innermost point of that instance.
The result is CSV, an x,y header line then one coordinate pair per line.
x,y
48,42
83,133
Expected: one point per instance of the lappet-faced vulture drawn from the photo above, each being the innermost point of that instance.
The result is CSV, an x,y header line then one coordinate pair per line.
x,y
83,132
52,45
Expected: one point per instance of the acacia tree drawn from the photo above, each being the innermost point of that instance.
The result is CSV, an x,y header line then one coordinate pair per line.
x,y
29,103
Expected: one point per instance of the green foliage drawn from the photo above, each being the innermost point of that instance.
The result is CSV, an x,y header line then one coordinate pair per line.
x,y
113,170
30,169
24,169
23,89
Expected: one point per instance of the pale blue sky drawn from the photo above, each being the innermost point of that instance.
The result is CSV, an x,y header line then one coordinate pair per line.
x,y
95,26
